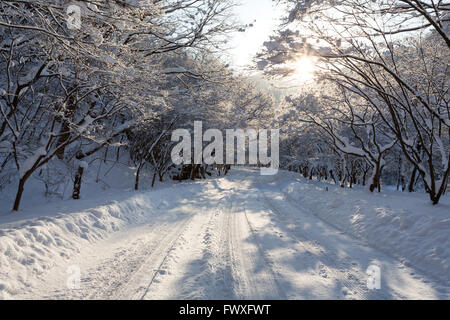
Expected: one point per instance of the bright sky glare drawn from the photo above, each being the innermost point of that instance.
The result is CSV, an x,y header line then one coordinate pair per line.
x,y
246,44
305,68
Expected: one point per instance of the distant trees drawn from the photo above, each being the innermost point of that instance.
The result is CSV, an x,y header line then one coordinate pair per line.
x,y
150,144
386,64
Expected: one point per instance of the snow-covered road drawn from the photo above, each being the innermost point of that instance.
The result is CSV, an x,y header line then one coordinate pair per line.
x,y
237,237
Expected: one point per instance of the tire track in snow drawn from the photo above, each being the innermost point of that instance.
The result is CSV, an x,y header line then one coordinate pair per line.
x,y
325,260
392,266
219,258
217,248
132,262
131,282
401,263
159,257
280,293
154,264
196,265
348,257
212,246
253,276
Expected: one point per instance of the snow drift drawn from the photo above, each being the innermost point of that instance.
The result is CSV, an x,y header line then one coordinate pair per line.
x,y
401,225
31,246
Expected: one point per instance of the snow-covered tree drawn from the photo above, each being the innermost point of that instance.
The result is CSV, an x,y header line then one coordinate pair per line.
x,y
393,56
71,87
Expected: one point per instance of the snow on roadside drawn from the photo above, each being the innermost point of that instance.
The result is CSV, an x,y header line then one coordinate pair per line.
x,y
32,246
404,226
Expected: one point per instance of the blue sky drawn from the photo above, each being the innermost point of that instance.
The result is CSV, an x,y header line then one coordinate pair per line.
x,y
247,44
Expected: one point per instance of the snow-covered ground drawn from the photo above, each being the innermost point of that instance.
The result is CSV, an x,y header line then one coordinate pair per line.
x,y
243,236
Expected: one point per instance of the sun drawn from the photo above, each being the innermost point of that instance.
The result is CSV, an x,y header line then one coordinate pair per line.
x,y
305,68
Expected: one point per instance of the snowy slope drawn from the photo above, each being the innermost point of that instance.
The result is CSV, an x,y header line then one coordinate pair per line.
x,y
404,225
243,236
31,246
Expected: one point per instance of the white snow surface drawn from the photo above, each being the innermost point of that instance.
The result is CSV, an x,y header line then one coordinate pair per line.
x,y
243,236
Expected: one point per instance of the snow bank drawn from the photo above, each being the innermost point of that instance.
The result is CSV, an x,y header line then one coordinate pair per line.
x,y
31,246
404,226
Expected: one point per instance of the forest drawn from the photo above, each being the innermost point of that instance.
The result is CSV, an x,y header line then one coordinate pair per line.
x,y
131,72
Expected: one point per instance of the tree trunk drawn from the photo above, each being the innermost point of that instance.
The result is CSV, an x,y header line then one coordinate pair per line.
x,y
333,177
194,172
19,193
343,181
365,177
352,177
105,156
138,172
65,126
22,181
412,180
118,153
154,178
376,179
442,188
77,183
